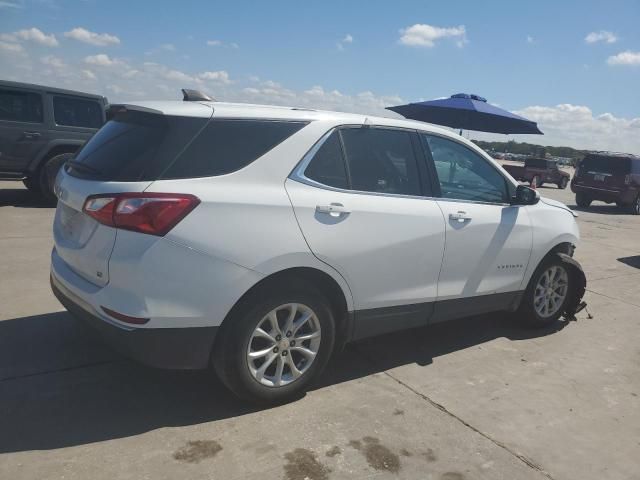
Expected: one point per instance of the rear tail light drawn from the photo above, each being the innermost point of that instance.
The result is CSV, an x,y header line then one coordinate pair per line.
x,y
151,213
125,318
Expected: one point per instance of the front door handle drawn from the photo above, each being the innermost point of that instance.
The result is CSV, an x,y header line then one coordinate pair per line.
x,y
334,209
31,135
460,217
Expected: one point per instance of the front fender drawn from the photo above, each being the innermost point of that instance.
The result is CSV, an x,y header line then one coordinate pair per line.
x,y
44,152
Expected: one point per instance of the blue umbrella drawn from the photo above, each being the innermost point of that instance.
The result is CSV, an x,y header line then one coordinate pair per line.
x,y
467,112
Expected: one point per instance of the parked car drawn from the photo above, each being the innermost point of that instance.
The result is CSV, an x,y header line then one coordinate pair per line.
x,y
261,239
40,127
541,170
608,177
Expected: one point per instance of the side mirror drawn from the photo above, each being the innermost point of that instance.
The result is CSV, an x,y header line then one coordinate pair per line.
x,y
525,196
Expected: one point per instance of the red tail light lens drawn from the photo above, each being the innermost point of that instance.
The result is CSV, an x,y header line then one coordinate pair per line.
x,y
151,213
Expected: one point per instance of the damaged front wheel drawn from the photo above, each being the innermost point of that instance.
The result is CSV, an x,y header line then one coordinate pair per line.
x,y
556,288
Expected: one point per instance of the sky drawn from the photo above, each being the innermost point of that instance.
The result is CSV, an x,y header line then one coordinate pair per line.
x,y
574,67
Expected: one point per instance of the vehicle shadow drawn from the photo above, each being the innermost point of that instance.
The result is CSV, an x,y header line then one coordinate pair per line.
x,y
60,387
21,197
604,209
633,261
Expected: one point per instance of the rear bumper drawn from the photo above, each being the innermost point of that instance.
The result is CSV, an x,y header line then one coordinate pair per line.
x,y
628,195
175,348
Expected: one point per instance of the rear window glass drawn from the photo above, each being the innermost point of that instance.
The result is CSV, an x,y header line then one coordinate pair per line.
x,y
604,164
77,112
134,146
225,146
536,163
20,106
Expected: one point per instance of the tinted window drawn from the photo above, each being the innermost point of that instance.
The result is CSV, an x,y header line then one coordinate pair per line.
x,y
604,164
381,160
76,112
225,146
134,146
327,166
20,106
463,174
536,163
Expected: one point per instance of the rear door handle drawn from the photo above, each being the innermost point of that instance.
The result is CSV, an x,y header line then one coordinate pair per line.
x,y
460,217
334,209
31,135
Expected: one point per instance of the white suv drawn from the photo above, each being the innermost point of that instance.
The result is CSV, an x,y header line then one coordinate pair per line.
x,y
260,239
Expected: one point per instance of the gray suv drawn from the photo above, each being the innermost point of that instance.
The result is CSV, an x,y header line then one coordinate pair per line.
x,y
40,128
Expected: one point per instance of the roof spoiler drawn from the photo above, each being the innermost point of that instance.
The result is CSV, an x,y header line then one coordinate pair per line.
x,y
115,108
195,96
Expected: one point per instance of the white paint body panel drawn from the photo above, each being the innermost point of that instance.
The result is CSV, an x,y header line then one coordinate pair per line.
x,y
388,248
488,253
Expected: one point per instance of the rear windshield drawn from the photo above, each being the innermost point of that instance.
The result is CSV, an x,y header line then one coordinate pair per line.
x,y
137,146
604,164
535,163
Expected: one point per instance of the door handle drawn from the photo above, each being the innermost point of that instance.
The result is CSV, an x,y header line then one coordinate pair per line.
x,y
334,209
31,135
459,217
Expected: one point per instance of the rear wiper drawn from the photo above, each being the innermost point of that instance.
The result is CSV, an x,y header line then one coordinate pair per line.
x,y
83,167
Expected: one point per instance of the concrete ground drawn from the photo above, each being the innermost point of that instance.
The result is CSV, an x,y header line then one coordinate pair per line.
x,y
477,398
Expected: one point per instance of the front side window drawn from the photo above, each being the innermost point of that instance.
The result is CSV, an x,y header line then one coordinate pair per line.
x,y
463,174
381,160
20,106
77,112
327,166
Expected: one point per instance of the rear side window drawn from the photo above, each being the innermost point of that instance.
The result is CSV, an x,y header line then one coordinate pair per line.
x,y
606,164
77,112
381,160
134,146
225,146
536,163
327,166
20,106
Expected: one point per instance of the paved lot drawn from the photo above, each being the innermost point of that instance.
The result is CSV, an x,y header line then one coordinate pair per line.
x,y
478,398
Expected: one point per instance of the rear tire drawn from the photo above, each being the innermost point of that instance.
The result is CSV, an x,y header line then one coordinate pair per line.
x,y
32,184
242,350
635,207
47,176
548,293
582,200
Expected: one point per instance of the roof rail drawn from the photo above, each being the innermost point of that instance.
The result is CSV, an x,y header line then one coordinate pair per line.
x,y
195,96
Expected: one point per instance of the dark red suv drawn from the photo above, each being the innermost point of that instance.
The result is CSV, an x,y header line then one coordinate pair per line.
x,y
609,177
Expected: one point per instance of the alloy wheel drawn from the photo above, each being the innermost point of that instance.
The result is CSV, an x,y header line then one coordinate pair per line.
x,y
550,291
284,345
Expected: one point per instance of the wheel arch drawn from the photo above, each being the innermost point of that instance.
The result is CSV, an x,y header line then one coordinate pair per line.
x,y
565,244
340,301
52,149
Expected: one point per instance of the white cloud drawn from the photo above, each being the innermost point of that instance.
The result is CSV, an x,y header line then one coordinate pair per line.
x,y
11,47
214,43
219,76
530,39
89,74
98,39
9,4
53,61
422,35
578,127
625,58
31,35
601,36
102,60
347,39
168,47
